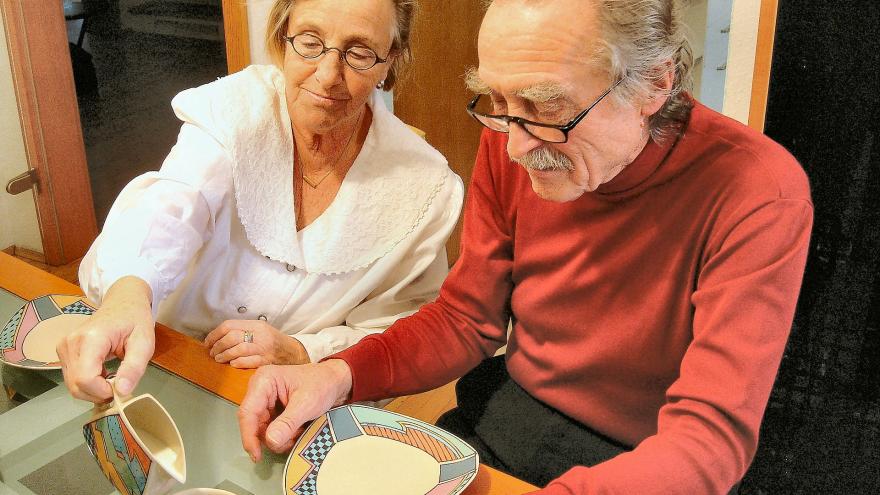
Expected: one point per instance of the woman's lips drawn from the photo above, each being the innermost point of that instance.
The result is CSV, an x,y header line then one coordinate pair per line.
x,y
324,100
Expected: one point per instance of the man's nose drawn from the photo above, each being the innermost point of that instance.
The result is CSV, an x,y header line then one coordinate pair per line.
x,y
520,142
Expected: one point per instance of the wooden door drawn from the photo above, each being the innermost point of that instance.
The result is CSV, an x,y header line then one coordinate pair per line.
x,y
46,96
432,96
43,79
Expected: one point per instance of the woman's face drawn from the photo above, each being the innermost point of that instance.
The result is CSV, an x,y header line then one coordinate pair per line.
x,y
325,92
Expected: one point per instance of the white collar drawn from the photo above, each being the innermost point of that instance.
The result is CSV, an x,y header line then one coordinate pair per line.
x,y
383,198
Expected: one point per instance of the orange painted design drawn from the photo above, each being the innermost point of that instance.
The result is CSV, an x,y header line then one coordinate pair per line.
x,y
416,438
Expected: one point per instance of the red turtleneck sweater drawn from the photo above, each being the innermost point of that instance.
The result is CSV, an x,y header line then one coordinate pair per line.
x,y
654,310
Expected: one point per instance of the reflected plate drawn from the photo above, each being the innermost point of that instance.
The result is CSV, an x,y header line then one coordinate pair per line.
x,y
361,449
29,338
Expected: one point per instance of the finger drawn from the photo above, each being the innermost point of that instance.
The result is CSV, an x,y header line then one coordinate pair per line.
x,y
86,366
243,349
217,333
139,349
284,430
254,413
246,362
230,340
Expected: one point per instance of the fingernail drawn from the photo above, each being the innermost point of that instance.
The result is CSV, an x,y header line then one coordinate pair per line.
x,y
123,386
274,437
253,458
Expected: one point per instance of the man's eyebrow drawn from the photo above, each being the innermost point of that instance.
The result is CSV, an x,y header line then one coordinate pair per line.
x,y
474,83
543,93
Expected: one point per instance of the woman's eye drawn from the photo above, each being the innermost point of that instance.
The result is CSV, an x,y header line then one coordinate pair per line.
x,y
360,54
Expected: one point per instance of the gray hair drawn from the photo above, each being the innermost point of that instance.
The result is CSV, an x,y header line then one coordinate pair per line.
x,y
641,42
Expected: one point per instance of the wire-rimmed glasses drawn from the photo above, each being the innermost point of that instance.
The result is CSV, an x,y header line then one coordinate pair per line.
x,y
309,46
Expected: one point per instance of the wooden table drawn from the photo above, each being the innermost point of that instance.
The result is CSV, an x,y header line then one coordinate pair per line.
x,y
188,359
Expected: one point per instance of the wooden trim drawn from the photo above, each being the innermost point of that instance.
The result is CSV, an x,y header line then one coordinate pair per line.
x,y
763,62
175,352
235,27
42,72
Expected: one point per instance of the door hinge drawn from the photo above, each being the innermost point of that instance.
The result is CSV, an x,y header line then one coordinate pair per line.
x,y
23,182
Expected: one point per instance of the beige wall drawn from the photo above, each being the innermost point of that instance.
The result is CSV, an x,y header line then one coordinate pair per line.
x,y
741,59
258,12
19,224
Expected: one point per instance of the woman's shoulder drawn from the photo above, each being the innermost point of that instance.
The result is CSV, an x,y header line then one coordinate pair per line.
x,y
401,150
245,99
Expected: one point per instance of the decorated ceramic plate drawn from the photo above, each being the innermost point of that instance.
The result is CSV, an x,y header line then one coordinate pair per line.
x,y
29,338
360,449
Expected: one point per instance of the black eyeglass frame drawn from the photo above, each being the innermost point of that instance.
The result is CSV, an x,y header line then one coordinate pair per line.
x,y
343,54
564,128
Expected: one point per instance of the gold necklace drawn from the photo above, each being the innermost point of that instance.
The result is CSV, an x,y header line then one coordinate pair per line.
x,y
315,183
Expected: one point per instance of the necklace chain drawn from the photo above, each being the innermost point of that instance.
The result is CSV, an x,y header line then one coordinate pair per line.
x,y
313,183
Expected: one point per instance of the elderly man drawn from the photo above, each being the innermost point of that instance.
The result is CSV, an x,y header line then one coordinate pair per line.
x,y
647,250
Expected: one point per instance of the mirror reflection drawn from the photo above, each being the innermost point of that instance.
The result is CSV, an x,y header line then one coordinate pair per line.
x,y
130,57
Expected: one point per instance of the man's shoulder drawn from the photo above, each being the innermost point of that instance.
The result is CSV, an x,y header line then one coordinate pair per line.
x,y
739,157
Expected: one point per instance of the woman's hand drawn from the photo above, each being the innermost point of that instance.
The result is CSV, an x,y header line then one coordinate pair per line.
x,y
123,327
266,345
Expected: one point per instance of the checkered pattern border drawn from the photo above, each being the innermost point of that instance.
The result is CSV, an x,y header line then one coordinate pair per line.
x,y
314,454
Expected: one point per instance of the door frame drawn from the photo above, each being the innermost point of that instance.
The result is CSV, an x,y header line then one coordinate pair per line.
x,y
49,114
763,63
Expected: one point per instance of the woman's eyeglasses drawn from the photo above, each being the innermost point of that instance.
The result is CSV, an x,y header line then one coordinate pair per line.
x,y
310,46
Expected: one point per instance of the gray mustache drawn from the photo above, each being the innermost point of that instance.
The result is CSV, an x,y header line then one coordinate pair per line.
x,y
544,159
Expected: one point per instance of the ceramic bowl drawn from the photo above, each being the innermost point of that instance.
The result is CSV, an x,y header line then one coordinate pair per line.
x,y
360,449
29,338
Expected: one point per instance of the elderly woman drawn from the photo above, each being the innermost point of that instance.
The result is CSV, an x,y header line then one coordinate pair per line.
x,y
294,216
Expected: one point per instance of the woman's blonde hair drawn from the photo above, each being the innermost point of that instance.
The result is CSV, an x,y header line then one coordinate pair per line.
x,y
405,11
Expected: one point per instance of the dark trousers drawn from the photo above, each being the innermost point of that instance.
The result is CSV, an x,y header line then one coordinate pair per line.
x,y
518,434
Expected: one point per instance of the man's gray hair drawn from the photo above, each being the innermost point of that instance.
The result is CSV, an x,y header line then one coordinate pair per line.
x,y
641,41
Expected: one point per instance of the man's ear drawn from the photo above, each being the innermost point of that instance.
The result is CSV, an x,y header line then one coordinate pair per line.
x,y
662,87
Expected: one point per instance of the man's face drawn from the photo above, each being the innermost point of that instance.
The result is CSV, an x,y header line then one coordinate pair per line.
x,y
535,64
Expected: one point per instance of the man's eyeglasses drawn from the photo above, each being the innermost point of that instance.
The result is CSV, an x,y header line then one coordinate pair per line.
x,y
357,57
550,133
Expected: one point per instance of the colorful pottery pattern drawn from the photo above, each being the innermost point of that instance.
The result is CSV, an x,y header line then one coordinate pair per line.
x,y
119,456
458,461
27,320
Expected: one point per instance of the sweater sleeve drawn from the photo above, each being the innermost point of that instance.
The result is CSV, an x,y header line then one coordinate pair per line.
x,y
743,309
467,323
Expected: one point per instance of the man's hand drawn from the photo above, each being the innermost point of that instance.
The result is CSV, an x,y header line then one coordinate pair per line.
x,y
267,346
301,393
123,327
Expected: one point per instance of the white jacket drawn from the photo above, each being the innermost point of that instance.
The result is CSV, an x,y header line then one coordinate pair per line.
x,y
213,231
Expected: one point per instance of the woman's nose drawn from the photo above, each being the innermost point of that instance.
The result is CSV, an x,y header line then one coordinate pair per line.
x,y
520,142
331,66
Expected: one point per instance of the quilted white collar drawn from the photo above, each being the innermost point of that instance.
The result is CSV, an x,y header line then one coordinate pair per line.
x,y
383,198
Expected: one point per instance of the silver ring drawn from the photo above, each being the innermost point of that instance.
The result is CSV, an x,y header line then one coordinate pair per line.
x,y
248,337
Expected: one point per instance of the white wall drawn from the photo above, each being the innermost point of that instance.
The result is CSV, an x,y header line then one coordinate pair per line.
x,y
19,225
741,58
